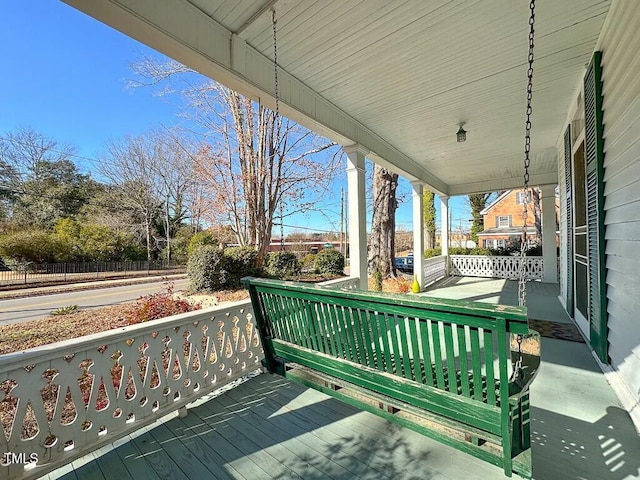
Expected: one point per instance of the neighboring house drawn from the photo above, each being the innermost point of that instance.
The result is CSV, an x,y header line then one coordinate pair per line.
x,y
503,221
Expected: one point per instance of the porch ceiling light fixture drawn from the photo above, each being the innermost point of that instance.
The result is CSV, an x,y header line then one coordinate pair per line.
x,y
461,134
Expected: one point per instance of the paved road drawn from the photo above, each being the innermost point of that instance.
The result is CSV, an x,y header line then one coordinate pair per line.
x,y
23,309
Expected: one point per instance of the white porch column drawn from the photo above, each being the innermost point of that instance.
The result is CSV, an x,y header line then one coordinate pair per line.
x,y
357,210
444,229
418,232
549,254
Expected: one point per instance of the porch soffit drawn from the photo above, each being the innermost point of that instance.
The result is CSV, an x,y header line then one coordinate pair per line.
x,y
396,77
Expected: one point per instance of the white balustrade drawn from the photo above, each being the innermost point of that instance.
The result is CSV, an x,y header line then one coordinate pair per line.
x,y
435,268
348,283
495,266
63,400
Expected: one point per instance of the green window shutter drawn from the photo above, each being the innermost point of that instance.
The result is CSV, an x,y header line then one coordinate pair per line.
x,y
594,155
568,186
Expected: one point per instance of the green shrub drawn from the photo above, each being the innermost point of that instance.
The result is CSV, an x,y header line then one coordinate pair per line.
x,y
200,239
481,251
134,252
329,262
432,252
535,250
180,244
308,262
25,246
281,265
239,262
459,251
69,309
206,269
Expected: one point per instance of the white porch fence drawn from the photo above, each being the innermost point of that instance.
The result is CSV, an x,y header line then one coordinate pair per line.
x,y
349,283
435,268
64,400
494,266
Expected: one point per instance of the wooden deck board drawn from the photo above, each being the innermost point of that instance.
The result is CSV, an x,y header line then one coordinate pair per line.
x,y
371,439
190,464
112,465
159,461
248,448
296,439
216,446
253,444
201,442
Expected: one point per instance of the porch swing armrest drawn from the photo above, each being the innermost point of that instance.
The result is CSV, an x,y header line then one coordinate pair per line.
x,y
530,365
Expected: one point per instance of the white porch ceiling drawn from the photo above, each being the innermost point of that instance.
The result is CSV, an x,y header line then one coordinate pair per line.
x,y
397,77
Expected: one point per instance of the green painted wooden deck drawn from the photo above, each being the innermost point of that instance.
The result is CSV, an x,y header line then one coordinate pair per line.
x,y
270,428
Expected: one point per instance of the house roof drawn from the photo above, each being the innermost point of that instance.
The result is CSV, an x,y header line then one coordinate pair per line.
x,y
498,199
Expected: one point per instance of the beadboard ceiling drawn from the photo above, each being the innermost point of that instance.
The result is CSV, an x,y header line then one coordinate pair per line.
x,y
397,77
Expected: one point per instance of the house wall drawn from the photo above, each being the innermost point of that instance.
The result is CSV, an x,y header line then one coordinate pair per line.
x,y
563,231
620,46
507,206
619,43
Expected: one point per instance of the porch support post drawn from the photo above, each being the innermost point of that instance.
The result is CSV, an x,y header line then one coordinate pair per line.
x,y
418,233
549,253
444,228
357,213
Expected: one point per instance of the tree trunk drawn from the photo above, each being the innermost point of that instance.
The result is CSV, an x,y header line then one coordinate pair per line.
x,y
537,212
148,234
382,249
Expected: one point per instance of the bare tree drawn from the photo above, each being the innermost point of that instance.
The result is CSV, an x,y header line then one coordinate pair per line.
x,y
39,182
24,152
132,165
177,180
255,168
382,240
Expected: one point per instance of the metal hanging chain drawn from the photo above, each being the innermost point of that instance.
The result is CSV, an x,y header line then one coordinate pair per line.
x,y
274,23
522,280
517,372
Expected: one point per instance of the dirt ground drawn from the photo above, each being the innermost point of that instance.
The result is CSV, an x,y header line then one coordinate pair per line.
x,y
50,329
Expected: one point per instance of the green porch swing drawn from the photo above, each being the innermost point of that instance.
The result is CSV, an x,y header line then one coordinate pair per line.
x,y
455,371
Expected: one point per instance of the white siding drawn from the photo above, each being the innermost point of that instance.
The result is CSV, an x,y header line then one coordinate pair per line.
x,y
563,224
620,46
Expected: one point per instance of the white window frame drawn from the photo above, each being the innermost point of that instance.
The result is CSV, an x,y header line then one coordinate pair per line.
x,y
500,218
520,196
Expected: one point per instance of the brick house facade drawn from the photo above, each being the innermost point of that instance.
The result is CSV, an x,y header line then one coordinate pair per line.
x,y
503,221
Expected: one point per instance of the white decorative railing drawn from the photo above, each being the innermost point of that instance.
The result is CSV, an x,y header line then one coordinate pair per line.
x,y
494,266
63,400
349,283
435,268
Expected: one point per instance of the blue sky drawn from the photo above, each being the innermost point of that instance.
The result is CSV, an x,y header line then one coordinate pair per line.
x,y
65,75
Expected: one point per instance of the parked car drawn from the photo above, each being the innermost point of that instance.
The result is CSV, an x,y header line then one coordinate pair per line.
x,y
404,264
